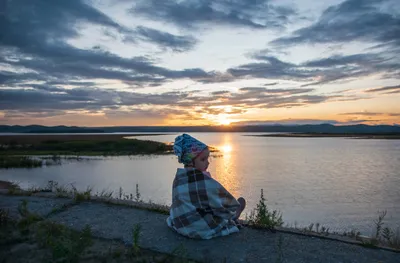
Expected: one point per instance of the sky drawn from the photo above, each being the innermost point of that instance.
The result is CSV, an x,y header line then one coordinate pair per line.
x,y
199,62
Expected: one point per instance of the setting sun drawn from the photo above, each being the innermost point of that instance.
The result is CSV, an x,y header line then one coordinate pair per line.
x,y
226,148
224,122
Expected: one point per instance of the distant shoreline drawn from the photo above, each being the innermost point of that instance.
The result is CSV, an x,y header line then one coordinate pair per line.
x,y
36,138
386,136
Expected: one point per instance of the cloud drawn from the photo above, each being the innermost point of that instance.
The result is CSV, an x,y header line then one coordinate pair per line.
x,y
164,40
318,71
42,99
363,113
34,34
257,14
351,20
389,89
287,122
220,92
280,91
366,113
271,84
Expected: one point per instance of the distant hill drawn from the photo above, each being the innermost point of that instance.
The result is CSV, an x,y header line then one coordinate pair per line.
x,y
309,128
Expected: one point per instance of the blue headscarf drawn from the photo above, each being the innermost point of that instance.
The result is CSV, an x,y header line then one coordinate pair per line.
x,y
187,148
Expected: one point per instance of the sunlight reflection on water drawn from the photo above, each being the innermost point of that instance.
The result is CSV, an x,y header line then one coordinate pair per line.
x,y
340,183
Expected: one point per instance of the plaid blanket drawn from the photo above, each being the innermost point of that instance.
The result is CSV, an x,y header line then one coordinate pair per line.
x,y
201,207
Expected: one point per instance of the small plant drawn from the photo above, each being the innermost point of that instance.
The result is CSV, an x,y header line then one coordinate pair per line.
x,y
4,217
27,218
136,234
137,196
13,188
379,223
82,196
262,217
353,234
61,191
120,193
66,245
279,259
105,194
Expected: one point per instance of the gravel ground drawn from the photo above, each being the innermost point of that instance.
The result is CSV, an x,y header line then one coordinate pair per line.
x,y
250,245
38,205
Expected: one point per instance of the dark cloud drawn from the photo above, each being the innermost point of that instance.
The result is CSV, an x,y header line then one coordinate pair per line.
x,y
364,113
166,40
389,89
220,92
319,71
288,122
271,68
43,97
271,84
305,122
33,37
256,14
360,20
262,90
46,98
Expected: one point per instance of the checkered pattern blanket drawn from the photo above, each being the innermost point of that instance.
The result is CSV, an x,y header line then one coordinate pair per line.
x,y
201,207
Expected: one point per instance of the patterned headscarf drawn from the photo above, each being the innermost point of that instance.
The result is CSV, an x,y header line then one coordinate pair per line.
x,y
187,148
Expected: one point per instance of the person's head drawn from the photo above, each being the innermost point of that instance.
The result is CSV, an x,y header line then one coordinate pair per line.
x,y
191,152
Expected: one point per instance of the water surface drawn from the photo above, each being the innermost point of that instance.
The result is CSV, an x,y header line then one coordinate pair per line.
x,y
340,183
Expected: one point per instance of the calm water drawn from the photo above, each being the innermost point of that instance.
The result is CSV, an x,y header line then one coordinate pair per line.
x,y
340,183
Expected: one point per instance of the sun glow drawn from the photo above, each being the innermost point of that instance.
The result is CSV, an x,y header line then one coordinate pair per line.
x,y
226,148
224,122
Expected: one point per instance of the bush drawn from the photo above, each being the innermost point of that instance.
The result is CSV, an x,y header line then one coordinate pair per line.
x,y
262,217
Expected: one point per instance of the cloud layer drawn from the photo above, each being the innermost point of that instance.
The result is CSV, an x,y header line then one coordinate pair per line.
x,y
43,74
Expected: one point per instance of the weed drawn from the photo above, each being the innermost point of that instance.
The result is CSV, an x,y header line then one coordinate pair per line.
x,y
4,217
262,217
137,196
353,234
385,236
81,196
66,245
379,223
10,161
27,218
395,239
13,188
279,259
61,191
120,193
135,236
105,194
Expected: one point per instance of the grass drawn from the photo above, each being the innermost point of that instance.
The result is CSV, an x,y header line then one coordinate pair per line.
x,y
14,154
135,236
65,245
262,217
19,162
89,147
46,241
27,218
4,217
384,235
